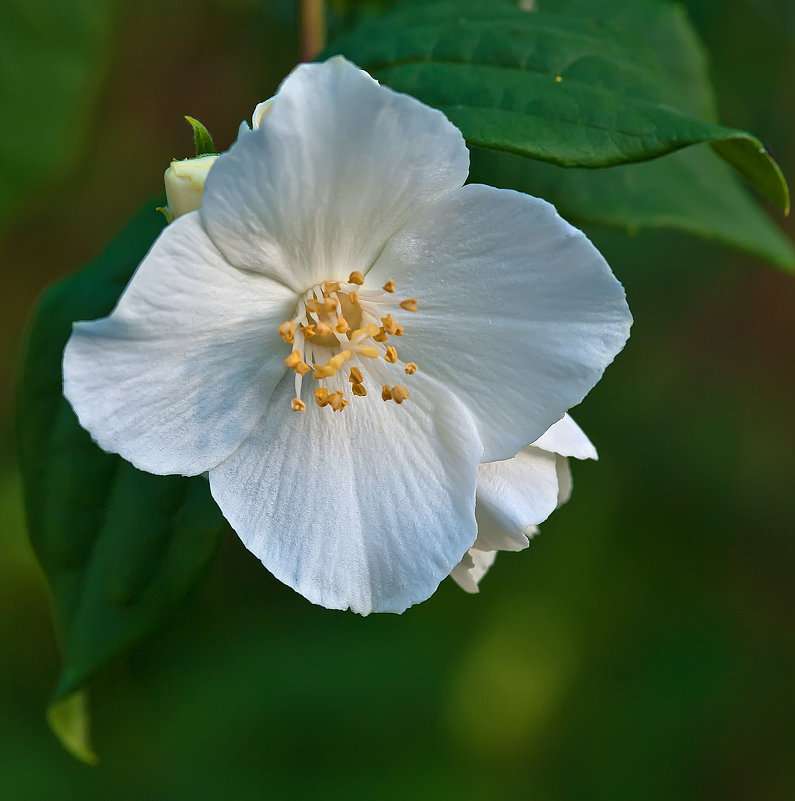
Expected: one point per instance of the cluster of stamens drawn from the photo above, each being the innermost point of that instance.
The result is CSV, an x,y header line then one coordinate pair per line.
x,y
335,321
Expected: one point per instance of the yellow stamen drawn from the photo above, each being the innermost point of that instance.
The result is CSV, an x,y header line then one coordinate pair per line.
x,y
322,329
410,304
356,376
353,297
338,360
369,351
330,286
359,390
342,325
363,333
381,336
399,331
332,366
302,368
356,278
389,286
308,331
298,405
337,402
293,359
321,397
386,393
287,331
390,326
399,393
326,307
322,371
391,354
411,368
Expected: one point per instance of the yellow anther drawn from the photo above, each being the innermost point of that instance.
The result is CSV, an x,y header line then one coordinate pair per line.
x,y
399,393
359,390
369,351
386,393
342,325
356,278
399,331
356,376
390,355
321,397
410,304
368,331
411,368
308,331
380,336
287,331
327,306
330,286
322,329
389,286
353,297
390,326
293,359
337,402
298,405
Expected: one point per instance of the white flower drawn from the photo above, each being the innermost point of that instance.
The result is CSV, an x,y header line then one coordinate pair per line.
x,y
514,495
347,192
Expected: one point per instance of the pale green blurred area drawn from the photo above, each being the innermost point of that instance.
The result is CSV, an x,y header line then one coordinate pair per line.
x,y
642,648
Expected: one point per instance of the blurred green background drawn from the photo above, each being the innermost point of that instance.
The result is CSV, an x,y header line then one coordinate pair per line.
x,y
643,648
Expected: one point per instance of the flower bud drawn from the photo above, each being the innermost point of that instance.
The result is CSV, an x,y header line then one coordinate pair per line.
x,y
260,112
185,184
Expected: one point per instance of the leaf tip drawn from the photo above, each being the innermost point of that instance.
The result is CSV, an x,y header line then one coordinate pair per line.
x,y
70,722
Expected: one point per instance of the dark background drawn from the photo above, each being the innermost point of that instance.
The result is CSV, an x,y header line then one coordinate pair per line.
x,y
643,648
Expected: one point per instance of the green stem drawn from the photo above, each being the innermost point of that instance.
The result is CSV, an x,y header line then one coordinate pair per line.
x,y
313,28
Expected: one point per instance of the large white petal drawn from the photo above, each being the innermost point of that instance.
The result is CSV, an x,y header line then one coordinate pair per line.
x,y
179,373
368,508
519,314
566,438
337,166
514,495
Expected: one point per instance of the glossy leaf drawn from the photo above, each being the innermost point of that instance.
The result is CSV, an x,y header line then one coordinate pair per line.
x,y
691,190
570,90
120,548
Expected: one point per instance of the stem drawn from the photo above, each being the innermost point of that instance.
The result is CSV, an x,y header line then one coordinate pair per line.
x,y
313,28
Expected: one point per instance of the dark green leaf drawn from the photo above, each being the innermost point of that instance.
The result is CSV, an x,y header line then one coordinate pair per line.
x,y
120,548
571,90
52,59
202,139
691,190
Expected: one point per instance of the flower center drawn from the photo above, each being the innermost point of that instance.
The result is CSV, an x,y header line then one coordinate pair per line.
x,y
338,322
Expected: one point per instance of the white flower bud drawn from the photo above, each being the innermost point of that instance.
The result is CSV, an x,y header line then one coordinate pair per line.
x,y
185,184
260,112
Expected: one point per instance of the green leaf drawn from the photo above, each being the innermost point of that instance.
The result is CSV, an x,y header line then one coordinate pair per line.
x,y
691,190
201,138
70,721
576,91
120,548
53,57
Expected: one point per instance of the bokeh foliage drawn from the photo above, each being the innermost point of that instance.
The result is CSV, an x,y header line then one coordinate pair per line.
x,y
641,648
